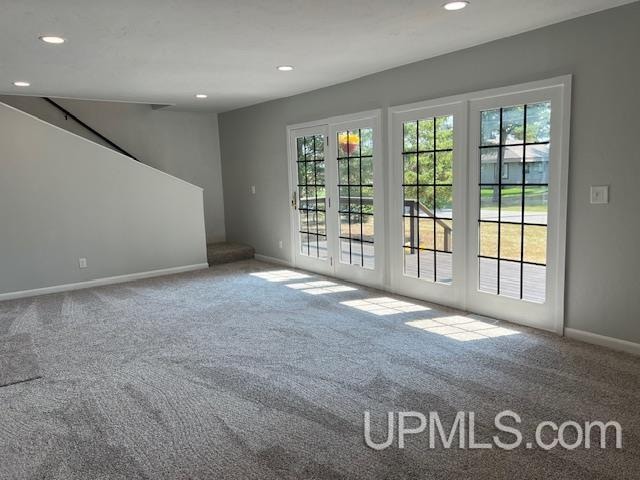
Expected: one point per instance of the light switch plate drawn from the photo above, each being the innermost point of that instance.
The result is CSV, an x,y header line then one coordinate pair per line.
x,y
82,262
253,189
599,194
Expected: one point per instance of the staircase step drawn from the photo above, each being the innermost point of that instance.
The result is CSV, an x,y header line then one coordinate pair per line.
x,y
226,252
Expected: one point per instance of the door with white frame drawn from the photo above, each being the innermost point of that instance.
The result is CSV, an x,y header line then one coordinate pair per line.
x,y
428,201
348,198
478,201
518,153
308,180
357,187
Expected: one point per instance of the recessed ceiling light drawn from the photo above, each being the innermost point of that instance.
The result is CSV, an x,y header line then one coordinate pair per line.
x,y
22,84
455,5
285,68
52,39
201,95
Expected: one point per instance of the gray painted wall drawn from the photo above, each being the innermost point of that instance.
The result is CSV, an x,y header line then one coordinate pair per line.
x,y
183,144
601,50
63,197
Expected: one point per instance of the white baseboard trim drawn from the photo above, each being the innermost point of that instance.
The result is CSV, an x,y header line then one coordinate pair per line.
x,y
98,282
277,261
610,342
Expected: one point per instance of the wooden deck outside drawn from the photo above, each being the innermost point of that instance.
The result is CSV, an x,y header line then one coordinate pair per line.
x,y
533,277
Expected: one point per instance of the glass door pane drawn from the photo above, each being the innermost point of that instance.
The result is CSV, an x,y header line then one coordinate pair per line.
x,y
518,152
311,193
514,174
356,197
358,207
427,185
428,202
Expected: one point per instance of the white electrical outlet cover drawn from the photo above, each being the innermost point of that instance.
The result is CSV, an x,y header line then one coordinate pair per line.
x,y
599,194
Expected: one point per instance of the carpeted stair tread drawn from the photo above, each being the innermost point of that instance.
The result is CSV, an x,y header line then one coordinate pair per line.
x,y
227,252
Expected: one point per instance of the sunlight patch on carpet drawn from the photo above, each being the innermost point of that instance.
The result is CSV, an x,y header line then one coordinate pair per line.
x,y
461,328
321,287
280,275
384,306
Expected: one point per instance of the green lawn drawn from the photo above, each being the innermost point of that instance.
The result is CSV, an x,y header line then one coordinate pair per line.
x,y
511,198
535,240
514,191
513,208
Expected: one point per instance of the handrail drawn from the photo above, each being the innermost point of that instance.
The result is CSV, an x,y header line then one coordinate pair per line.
x,y
67,113
429,213
421,207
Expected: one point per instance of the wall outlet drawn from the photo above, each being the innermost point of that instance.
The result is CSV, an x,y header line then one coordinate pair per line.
x,y
253,189
82,262
280,244
599,194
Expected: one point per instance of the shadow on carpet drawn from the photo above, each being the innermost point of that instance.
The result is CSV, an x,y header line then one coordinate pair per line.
x,y
18,361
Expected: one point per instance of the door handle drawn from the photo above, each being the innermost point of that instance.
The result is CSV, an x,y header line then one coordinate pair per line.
x,y
294,200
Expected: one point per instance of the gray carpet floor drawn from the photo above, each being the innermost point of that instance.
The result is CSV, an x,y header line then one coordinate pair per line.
x,y
221,374
18,362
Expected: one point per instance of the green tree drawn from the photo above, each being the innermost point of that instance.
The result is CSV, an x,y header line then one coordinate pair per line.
x,y
428,161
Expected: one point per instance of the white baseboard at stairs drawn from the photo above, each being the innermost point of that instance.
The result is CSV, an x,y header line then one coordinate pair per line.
x,y
610,342
98,282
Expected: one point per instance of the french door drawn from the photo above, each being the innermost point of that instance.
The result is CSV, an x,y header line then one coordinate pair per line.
x,y
309,199
517,196
476,205
478,201
337,199
428,212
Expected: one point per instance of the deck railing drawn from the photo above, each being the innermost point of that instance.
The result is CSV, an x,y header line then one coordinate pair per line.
x,y
414,208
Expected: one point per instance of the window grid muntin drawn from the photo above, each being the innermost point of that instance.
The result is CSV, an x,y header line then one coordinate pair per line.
x,y
434,185
359,157
523,186
311,158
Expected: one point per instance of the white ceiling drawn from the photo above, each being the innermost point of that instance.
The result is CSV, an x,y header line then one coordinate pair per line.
x,y
165,51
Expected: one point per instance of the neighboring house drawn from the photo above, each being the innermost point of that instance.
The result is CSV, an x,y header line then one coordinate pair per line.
x,y
536,166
